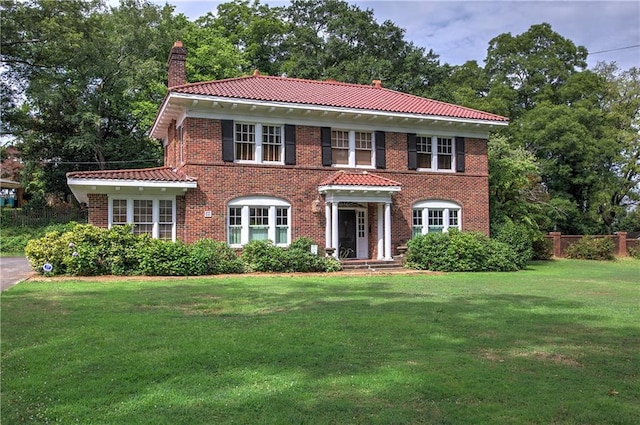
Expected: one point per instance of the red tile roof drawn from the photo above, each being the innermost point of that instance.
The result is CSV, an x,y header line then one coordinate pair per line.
x,y
158,174
330,93
350,178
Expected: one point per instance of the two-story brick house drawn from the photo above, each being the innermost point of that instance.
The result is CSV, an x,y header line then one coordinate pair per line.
x,y
357,168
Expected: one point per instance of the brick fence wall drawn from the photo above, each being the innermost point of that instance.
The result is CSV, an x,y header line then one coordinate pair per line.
x,y
621,243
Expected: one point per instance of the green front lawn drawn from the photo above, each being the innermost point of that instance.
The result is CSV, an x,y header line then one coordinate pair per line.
x,y
557,343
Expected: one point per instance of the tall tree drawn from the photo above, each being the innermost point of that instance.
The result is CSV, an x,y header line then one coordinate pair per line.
x,y
88,81
533,65
619,192
336,40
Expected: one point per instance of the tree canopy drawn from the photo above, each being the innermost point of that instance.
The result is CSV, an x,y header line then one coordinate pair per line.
x,y
81,82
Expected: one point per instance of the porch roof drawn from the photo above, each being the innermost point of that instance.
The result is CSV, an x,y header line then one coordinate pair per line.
x,y
160,180
351,186
350,178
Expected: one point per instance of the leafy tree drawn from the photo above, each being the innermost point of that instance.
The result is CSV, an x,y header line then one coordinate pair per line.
x,y
515,192
532,65
253,30
85,82
335,40
620,190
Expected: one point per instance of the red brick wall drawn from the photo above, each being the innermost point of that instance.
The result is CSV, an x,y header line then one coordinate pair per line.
x,y
220,182
98,210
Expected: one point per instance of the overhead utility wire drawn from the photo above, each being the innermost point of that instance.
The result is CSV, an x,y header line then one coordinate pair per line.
x,y
96,162
613,50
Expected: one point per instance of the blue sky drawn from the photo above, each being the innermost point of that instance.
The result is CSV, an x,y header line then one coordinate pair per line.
x,y
461,30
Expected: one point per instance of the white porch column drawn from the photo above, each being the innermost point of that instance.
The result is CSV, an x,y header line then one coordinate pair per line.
x,y
380,232
387,231
334,229
327,225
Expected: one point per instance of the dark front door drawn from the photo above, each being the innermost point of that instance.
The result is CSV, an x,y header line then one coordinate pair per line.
x,y
347,234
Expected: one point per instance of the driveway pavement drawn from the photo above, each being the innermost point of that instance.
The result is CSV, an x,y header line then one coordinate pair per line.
x,y
13,270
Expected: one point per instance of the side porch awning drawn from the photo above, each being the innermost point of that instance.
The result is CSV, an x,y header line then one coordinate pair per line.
x,y
159,180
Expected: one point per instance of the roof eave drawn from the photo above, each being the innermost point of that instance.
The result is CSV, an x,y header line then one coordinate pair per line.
x,y
325,109
357,188
82,187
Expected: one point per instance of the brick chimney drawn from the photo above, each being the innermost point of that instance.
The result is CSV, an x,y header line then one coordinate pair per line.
x,y
177,70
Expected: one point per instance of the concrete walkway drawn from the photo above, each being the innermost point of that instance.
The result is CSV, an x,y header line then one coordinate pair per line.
x,y
13,270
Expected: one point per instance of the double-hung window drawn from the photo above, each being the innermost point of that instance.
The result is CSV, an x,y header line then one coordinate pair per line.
x,y
435,216
423,149
258,223
271,143
155,217
245,142
363,147
340,147
352,148
445,153
143,216
258,143
435,153
258,218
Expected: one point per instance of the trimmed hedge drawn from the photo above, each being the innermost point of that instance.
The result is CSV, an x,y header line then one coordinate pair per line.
x,y
87,250
456,251
591,248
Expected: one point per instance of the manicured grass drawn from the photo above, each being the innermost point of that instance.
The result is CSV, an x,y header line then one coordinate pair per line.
x,y
557,343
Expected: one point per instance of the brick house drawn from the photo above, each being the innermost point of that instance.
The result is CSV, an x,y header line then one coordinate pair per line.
x,y
357,168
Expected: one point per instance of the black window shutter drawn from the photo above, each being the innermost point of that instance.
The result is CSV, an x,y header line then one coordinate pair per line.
x,y
325,135
227,141
290,144
460,154
381,159
412,163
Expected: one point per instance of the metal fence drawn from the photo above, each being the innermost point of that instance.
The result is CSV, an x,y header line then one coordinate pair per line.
x,y
12,217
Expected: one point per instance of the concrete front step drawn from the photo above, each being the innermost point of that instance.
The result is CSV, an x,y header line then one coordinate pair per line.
x,y
371,265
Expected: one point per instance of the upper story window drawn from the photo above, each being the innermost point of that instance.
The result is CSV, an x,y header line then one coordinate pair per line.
x,y
352,148
247,142
258,143
435,216
435,153
258,218
340,147
443,147
155,217
364,148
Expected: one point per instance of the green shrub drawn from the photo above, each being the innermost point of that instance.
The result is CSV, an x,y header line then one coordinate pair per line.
x,y
210,257
299,258
53,248
164,258
542,249
518,237
503,258
89,250
460,251
124,250
263,256
591,248
634,252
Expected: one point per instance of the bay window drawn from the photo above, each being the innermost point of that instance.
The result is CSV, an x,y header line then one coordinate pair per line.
x,y
155,217
435,216
258,218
